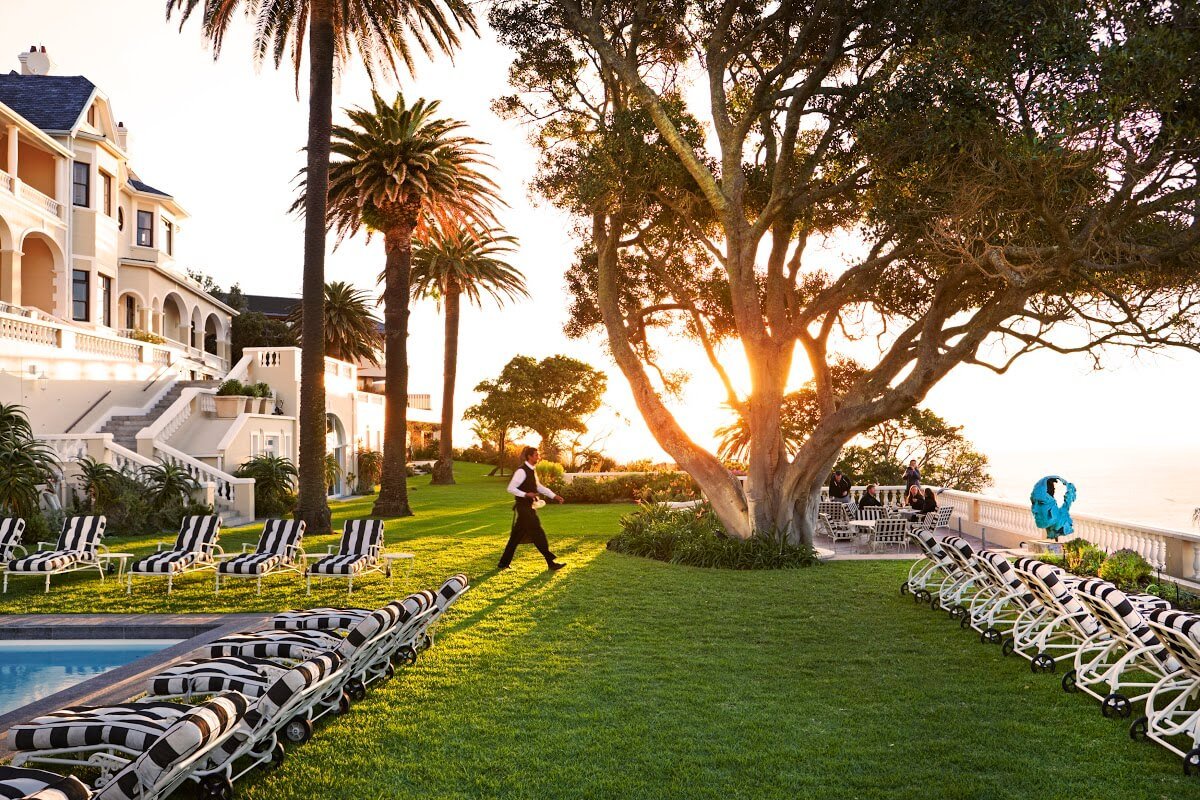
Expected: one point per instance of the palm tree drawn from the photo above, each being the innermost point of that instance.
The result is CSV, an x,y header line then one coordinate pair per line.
x,y
398,167
379,33
351,328
452,262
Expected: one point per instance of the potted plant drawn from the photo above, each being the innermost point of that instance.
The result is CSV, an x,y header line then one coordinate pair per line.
x,y
232,397
266,398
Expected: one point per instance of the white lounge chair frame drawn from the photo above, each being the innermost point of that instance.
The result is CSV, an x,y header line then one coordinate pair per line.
x,y
1056,623
11,531
292,555
85,530
194,540
1173,705
355,541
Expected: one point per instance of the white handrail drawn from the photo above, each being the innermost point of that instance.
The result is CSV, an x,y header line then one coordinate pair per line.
x,y
231,492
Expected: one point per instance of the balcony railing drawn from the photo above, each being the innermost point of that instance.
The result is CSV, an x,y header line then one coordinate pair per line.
x,y
43,202
6,181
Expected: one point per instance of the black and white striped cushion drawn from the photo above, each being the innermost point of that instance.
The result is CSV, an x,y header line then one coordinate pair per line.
x,y
359,536
193,734
81,534
1115,611
11,530
450,590
164,563
272,644
1008,577
196,534
47,561
319,619
244,674
349,564
1058,583
1179,631
17,783
130,725
371,626
929,544
250,564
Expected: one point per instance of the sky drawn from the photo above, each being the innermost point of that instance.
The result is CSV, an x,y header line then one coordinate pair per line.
x,y
225,139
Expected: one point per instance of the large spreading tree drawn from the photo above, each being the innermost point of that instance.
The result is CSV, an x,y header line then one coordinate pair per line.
x,y
1003,177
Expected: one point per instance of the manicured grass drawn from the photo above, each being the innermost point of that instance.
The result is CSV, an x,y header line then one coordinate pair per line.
x,y
626,678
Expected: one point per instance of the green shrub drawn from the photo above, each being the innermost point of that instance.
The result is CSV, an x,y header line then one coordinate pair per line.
x,y
370,470
1052,558
25,463
655,487
234,387
1126,569
696,538
260,389
148,501
274,484
1090,559
549,471
146,336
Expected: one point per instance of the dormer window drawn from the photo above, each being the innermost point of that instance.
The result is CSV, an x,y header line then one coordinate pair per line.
x,y
145,229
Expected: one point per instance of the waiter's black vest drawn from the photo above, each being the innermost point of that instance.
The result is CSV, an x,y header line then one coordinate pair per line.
x,y
529,484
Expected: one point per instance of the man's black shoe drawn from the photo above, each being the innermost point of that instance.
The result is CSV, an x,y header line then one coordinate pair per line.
x,y
501,567
554,565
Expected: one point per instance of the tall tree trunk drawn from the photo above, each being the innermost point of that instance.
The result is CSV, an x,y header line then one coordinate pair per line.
x,y
393,486
443,469
312,506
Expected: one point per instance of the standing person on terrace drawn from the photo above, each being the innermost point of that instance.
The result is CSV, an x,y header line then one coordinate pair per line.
x,y
912,475
839,487
526,525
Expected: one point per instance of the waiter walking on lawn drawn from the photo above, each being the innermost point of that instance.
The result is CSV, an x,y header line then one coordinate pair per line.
x,y
526,525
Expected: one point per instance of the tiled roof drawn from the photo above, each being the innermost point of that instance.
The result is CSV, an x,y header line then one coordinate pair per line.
x,y
271,305
145,187
51,102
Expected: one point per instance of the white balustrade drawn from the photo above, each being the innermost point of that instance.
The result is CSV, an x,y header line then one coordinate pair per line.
x,y
232,495
42,201
104,346
6,181
23,330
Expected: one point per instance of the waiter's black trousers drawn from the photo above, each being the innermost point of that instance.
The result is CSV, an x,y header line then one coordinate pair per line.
x,y
526,528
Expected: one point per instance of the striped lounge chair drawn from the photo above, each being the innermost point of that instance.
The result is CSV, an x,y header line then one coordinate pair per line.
x,y
78,548
195,549
128,730
168,761
11,531
278,550
1172,716
358,554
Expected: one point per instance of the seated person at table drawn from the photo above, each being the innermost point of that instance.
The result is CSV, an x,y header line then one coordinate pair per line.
x,y
930,503
870,498
915,500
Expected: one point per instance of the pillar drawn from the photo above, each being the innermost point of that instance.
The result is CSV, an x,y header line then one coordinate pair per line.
x,y
13,133
10,276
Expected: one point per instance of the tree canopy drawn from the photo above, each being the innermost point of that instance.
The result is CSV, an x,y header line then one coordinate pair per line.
x,y
996,178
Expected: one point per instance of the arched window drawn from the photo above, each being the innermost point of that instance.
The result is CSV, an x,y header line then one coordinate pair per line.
x,y
130,312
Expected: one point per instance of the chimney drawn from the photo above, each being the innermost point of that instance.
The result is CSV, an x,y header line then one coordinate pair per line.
x,y
36,61
122,136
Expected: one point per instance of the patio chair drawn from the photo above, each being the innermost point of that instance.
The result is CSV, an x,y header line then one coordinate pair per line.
x,y
195,549
943,517
78,548
1122,666
872,512
167,761
838,517
278,550
1172,716
357,554
889,533
926,522
11,530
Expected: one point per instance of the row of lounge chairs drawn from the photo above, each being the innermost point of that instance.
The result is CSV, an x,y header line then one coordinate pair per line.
x,y
214,718
196,548
1125,649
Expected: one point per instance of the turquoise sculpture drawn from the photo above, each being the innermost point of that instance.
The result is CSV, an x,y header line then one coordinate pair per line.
x,y
1048,513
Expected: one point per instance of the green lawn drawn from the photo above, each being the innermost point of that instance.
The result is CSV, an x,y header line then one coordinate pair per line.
x,y
625,678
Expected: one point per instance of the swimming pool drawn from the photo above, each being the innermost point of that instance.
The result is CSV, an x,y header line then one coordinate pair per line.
x,y
31,670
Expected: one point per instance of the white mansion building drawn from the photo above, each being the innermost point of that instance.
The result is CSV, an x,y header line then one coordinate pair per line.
x,y
110,348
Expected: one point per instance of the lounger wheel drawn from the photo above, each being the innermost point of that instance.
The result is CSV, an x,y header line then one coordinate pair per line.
x,y
1069,685
1116,705
425,643
405,655
965,621
356,689
1191,762
1042,663
990,636
1138,729
1007,648
389,672
277,756
922,596
958,612
298,730
216,787
905,588
343,704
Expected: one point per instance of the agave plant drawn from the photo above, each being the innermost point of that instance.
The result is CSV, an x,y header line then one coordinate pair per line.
x,y
274,482
26,464
332,470
370,466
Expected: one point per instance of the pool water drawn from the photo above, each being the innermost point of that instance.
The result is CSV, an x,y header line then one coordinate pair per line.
x,y
31,670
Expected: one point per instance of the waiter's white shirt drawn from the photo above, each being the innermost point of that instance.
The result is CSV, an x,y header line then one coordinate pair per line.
x,y
518,478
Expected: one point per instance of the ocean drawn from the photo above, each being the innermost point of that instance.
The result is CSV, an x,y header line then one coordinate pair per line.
x,y
1156,487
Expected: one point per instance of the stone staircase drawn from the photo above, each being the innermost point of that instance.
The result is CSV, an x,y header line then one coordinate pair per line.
x,y
125,428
